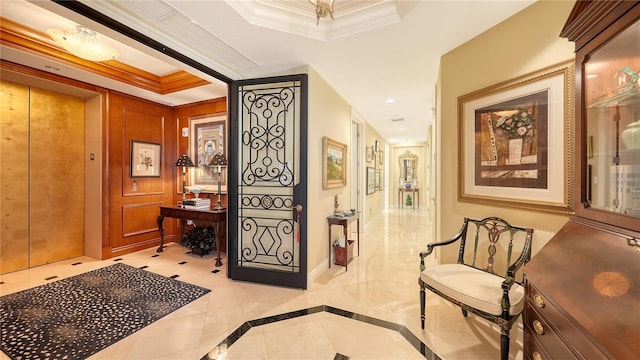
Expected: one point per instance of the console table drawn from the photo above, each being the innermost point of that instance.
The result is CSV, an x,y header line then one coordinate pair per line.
x,y
344,221
216,217
415,196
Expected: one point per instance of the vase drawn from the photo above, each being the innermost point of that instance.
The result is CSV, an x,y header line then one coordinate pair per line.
x,y
631,135
515,152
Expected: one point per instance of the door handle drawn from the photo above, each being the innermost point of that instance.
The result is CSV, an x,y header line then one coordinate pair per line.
x,y
297,208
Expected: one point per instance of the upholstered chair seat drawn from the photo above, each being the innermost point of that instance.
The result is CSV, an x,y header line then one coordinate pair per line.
x,y
476,288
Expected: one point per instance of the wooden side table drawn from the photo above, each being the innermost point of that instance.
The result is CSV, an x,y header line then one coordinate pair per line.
x,y
415,196
216,217
344,221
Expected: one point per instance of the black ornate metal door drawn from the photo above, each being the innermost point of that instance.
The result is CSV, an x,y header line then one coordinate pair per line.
x,y
267,181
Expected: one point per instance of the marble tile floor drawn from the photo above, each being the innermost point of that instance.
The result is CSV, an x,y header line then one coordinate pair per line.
x,y
369,312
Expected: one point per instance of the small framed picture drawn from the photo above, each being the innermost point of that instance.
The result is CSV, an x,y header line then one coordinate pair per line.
x,y
377,146
145,159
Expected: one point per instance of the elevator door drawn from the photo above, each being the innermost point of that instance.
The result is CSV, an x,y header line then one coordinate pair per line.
x,y
42,178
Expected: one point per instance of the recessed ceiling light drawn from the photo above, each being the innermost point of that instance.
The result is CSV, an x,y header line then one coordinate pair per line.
x,y
390,101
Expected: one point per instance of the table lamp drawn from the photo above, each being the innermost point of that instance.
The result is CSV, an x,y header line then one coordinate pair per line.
x,y
219,161
185,162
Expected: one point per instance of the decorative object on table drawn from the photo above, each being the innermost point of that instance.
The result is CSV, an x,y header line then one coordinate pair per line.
x,y
515,142
196,204
218,161
408,185
334,164
145,159
195,190
201,239
68,318
336,205
185,162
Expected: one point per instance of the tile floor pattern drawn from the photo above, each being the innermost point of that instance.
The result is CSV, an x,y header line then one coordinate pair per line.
x,y
381,284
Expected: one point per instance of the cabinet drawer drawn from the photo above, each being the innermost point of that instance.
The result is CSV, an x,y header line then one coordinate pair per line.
x,y
539,329
534,351
574,338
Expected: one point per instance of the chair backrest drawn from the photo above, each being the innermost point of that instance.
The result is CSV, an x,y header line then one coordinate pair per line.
x,y
492,245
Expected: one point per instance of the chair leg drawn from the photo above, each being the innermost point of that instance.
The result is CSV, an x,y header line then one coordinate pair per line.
x,y
422,305
504,345
464,312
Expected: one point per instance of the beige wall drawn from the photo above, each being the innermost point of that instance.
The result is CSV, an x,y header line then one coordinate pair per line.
x,y
524,43
329,115
374,203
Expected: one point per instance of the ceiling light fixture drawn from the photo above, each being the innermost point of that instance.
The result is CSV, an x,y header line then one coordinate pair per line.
x,y
324,8
84,44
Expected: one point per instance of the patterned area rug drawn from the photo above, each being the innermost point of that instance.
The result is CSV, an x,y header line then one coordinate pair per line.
x,y
76,317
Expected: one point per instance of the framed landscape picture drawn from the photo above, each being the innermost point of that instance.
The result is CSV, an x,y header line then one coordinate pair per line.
x,y
334,164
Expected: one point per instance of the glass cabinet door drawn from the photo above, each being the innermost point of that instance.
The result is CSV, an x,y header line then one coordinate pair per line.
x,y
612,98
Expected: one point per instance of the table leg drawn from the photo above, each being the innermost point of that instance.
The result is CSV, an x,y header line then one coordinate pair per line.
x,y
358,236
159,221
218,261
329,246
346,246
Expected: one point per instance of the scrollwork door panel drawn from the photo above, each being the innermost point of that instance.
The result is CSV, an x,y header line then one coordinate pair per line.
x,y
270,181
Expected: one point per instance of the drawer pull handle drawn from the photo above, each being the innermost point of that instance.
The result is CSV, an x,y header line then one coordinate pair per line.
x,y
537,356
539,301
537,326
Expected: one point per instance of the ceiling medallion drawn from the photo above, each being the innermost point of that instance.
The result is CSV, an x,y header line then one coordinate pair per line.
x,y
323,9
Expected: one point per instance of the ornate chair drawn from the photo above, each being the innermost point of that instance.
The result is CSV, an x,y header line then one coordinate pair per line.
x,y
482,283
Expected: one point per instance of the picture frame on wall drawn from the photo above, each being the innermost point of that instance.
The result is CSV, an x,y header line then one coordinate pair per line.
x,y
334,164
207,137
369,153
145,159
515,145
371,173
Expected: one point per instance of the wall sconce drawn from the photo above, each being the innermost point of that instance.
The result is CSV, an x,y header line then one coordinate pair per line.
x,y
218,160
84,44
185,162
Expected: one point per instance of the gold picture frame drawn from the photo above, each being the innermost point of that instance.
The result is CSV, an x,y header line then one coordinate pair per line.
x,y
516,144
334,166
207,137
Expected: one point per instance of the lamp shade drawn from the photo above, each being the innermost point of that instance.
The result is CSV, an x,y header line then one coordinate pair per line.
x,y
184,160
84,44
218,160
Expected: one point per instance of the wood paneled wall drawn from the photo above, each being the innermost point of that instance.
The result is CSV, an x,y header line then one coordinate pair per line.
x,y
134,201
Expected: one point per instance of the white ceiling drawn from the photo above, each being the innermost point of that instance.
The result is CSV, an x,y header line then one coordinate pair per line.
x,y
372,51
